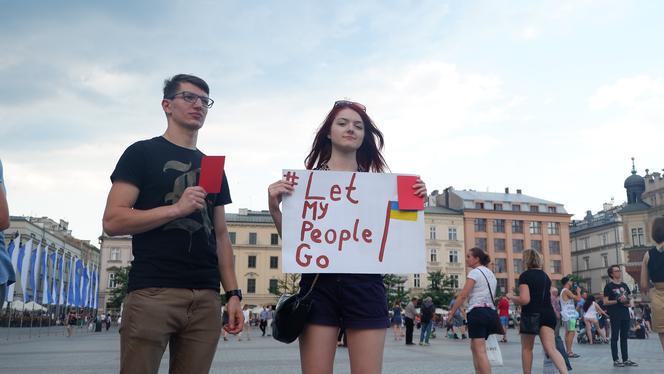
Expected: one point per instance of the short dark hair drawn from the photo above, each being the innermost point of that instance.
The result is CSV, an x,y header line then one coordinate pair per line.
x,y
609,271
479,253
564,281
658,230
172,85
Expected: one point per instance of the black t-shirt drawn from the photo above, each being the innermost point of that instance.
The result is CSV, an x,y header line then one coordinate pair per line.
x,y
539,286
613,291
183,252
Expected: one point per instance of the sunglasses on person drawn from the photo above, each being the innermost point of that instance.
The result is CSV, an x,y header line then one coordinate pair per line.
x,y
342,103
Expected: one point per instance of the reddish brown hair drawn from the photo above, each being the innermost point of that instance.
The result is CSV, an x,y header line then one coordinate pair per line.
x,y
369,157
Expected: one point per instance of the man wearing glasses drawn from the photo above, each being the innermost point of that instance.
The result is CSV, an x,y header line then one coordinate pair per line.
x,y
180,242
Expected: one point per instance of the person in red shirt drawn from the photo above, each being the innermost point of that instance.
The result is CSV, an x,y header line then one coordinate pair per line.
x,y
504,313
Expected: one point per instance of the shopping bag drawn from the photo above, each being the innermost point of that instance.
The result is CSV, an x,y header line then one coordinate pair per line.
x,y
493,351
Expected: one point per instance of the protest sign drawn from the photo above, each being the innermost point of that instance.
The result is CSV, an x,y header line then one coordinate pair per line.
x,y
349,222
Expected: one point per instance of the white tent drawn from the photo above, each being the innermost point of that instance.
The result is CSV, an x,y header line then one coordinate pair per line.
x,y
29,306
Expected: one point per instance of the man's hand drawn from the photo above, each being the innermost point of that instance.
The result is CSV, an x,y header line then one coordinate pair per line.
x,y
192,199
235,316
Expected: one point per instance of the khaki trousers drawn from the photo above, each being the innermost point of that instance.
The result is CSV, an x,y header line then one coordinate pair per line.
x,y
187,320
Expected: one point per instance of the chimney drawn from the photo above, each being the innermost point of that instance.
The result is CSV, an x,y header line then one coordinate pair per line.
x,y
518,191
507,190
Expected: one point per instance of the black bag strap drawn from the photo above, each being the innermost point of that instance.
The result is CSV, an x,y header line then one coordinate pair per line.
x,y
488,285
311,288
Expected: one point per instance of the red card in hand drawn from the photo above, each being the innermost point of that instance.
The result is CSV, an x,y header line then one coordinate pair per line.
x,y
406,194
212,172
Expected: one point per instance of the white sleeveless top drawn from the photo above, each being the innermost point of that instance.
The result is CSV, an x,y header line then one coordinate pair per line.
x,y
567,310
591,313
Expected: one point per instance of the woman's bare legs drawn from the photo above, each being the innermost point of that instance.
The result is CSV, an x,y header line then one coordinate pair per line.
x,y
365,348
548,340
318,344
480,359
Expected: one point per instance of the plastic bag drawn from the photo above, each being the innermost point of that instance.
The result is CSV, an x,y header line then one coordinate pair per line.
x,y
493,351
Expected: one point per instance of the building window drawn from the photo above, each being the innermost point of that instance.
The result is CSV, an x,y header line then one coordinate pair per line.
x,y
452,233
500,265
454,281
252,238
551,209
274,239
251,263
231,235
553,228
274,285
498,225
517,227
605,260
479,205
497,206
556,266
480,225
454,257
535,227
554,247
604,239
584,243
274,262
501,285
416,280
518,265
480,243
111,280
515,208
251,285
115,254
536,244
499,245
517,245
534,208
432,232
586,263
637,236
433,252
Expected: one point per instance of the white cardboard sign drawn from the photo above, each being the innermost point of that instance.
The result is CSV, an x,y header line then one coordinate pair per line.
x,y
348,222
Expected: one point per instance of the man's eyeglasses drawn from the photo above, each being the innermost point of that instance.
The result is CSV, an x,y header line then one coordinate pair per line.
x,y
191,97
340,103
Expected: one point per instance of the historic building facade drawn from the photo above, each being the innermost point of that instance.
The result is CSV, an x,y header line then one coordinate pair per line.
x,y
645,201
504,224
596,242
115,255
45,234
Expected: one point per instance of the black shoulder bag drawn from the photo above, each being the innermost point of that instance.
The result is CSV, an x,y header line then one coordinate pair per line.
x,y
291,315
498,326
530,323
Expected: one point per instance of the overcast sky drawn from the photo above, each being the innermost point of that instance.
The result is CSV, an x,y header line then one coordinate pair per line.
x,y
552,97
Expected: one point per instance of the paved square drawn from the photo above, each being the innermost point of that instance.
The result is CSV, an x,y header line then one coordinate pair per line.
x,y
52,353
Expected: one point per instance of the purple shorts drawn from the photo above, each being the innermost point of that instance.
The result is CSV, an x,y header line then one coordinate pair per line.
x,y
352,301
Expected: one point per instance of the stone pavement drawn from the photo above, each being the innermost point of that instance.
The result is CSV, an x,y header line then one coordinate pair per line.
x,y
52,353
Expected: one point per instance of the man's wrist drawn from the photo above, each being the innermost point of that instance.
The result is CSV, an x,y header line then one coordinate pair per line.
x,y
233,293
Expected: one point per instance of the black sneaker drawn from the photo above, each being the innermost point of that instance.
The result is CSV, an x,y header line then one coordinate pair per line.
x,y
618,364
630,363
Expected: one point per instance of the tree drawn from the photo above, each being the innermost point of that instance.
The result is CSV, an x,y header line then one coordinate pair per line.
x,y
119,293
440,288
394,288
289,284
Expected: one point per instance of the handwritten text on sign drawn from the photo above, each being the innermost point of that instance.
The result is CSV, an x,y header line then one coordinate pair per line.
x,y
343,222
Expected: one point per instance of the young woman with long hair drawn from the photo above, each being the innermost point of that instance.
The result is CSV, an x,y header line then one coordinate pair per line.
x,y
535,298
348,140
479,289
591,310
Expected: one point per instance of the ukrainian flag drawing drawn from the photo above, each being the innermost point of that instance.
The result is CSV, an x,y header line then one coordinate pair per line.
x,y
405,215
393,212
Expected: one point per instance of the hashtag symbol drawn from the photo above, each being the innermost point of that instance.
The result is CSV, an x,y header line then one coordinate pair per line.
x,y
292,178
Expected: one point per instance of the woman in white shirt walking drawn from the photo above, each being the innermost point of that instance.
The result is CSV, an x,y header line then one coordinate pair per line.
x,y
479,289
